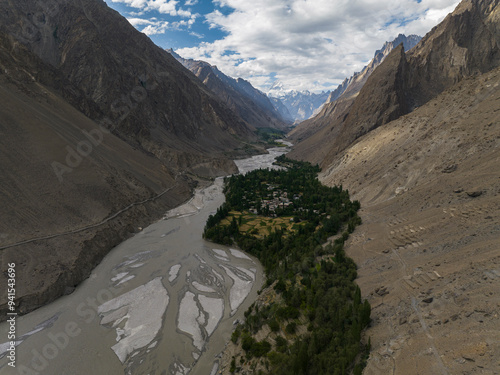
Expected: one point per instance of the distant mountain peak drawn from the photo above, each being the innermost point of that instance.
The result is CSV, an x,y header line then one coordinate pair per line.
x,y
351,86
409,42
300,105
277,85
238,94
277,89
173,53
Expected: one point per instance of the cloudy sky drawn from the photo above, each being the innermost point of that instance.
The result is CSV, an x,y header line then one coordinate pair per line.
x,y
306,44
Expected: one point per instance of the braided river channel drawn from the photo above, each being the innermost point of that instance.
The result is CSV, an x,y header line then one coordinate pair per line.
x,y
162,302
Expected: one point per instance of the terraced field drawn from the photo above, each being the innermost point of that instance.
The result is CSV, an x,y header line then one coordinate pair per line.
x,y
260,226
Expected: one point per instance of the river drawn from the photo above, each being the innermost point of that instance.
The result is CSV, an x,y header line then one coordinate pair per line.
x,y
162,302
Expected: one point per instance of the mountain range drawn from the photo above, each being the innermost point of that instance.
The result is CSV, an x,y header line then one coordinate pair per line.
x,y
297,105
350,87
250,104
302,105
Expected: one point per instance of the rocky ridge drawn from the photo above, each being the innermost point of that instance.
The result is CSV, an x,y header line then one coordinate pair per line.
x,y
463,45
352,85
250,104
347,91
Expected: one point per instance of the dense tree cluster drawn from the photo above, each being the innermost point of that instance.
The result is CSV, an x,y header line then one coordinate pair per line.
x,y
316,282
270,135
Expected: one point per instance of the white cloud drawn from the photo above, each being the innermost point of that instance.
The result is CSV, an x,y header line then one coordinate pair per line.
x,y
162,6
139,22
152,25
309,43
155,29
198,35
189,3
136,14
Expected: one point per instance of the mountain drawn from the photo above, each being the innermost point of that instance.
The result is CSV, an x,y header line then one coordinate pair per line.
x,y
418,147
463,45
427,251
249,103
126,82
307,104
300,104
350,87
102,132
282,109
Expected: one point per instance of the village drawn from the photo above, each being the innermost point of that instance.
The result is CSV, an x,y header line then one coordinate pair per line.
x,y
276,198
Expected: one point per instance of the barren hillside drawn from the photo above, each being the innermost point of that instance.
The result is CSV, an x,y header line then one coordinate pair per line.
x,y
118,77
428,248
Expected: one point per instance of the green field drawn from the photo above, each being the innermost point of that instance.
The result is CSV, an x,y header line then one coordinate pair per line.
x,y
260,226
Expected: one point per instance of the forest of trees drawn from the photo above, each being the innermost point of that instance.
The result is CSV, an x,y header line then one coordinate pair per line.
x,y
316,282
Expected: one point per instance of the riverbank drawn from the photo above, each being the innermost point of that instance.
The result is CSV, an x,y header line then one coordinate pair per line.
x,y
54,265
197,290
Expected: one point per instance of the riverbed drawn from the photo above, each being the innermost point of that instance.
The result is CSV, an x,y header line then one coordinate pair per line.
x,y
162,302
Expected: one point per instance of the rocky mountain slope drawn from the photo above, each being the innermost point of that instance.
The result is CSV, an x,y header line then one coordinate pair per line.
x,y
464,44
419,148
63,177
351,86
250,104
345,94
427,251
102,132
347,91
300,104
126,78
282,109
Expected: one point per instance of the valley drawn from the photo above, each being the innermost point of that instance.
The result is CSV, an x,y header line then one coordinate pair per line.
x,y
356,230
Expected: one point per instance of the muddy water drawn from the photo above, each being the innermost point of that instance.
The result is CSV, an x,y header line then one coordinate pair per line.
x,y
162,302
